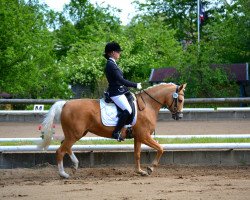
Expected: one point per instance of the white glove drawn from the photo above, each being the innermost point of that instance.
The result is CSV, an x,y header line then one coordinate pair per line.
x,y
139,86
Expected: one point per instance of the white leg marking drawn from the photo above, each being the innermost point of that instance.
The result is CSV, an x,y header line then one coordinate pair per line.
x,y
74,160
61,170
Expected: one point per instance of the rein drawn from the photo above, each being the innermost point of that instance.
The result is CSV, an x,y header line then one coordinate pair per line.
x,y
153,98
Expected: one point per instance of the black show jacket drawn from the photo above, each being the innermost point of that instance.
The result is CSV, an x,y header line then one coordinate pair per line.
x,y
117,84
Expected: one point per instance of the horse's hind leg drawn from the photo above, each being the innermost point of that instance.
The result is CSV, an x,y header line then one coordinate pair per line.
x,y
59,157
137,154
152,143
73,159
63,149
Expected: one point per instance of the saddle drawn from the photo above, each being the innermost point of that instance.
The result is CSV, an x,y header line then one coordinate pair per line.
x,y
110,112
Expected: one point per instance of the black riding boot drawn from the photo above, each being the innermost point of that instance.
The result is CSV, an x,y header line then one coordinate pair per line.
x,y
121,122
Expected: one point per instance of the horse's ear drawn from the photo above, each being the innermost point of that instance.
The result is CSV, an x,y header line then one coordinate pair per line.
x,y
182,87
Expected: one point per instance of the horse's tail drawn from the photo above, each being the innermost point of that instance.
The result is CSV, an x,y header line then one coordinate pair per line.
x,y
47,124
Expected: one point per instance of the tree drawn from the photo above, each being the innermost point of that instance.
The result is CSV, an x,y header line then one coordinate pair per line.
x,y
203,80
26,52
180,15
82,21
81,37
228,34
148,44
84,64
43,51
225,39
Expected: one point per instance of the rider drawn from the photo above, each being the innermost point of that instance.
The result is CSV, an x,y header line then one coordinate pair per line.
x,y
118,86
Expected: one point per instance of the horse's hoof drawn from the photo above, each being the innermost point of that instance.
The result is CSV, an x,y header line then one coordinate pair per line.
x,y
149,170
64,175
73,170
75,166
142,173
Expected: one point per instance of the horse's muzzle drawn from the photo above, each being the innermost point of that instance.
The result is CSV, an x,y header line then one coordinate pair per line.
x,y
177,115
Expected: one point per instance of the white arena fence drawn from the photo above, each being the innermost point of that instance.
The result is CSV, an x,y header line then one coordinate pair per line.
x,y
235,109
154,136
127,147
187,101
130,147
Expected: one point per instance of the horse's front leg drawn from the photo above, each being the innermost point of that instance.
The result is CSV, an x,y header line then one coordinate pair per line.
x,y
137,155
152,143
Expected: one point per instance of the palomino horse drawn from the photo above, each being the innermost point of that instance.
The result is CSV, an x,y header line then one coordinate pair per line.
x,y
80,116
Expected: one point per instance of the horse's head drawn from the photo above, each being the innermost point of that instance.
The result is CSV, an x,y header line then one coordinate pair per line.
x,y
176,102
166,94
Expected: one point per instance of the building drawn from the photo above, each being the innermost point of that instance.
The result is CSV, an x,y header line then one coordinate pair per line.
x,y
238,72
161,74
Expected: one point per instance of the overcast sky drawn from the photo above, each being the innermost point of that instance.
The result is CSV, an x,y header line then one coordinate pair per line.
x,y
126,6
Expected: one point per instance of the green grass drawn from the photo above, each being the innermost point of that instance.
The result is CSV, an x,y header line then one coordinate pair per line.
x,y
131,141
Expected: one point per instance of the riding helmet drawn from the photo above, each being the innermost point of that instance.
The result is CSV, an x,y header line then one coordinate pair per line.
x,y
112,46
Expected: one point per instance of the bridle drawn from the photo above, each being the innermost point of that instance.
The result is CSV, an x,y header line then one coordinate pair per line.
x,y
175,100
175,95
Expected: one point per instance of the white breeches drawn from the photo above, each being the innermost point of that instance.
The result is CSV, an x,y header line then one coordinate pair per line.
x,y
122,102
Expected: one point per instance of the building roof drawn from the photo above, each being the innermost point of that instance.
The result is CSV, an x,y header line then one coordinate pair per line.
x,y
160,74
238,72
5,95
